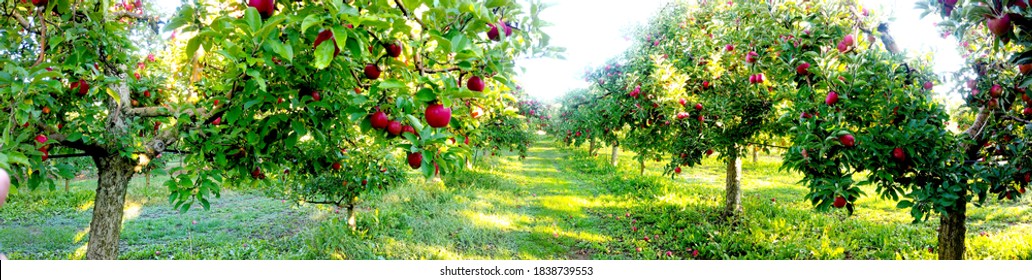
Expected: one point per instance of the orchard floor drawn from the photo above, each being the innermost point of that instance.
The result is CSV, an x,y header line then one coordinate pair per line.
x,y
556,204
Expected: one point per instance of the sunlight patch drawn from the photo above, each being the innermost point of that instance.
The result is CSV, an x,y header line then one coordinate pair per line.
x,y
495,221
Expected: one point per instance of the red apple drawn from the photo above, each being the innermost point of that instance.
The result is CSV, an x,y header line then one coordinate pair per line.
x,y
393,50
41,138
677,170
415,160
1027,111
372,71
316,96
847,140
832,98
475,84
217,121
752,57
682,102
839,202
803,69
729,47
494,34
264,7
995,91
437,115
40,3
379,120
705,84
698,106
702,118
324,36
709,152
409,129
928,85
336,166
394,128
1025,68
899,154
146,93
257,173
1000,25
805,115
46,110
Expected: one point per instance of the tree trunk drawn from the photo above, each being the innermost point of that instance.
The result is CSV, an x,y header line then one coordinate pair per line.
x,y
351,217
114,174
66,185
148,179
613,160
755,154
591,147
952,230
733,190
642,163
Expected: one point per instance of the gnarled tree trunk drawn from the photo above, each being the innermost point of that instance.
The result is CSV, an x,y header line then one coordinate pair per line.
x,y
733,188
952,230
614,158
114,172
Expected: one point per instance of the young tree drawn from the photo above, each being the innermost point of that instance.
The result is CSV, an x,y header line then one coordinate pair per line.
x,y
244,90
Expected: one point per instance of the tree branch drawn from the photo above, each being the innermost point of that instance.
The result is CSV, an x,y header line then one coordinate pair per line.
x,y
1017,119
24,22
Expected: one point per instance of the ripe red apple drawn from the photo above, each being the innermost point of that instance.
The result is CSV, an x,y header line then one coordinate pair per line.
x,y
682,115
832,98
264,7
257,173
372,71
698,106
394,128
157,125
475,84
752,57
217,121
415,160
705,84
40,3
437,115
379,120
146,93
327,35
46,110
1025,68
1000,25
995,91
84,87
336,166
839,202
409,129
1027,111
279,100
682,102
928,85
729,47
702,118
677,170
805,115
316,96
393,50
493,34
993,103
1026,98
847,140
803,69
709,152
41,138
899,154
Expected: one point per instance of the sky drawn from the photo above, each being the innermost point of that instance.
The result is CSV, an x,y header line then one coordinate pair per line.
x,y
592,31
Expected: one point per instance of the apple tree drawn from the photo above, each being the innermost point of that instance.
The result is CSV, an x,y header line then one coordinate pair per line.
x,y
264,93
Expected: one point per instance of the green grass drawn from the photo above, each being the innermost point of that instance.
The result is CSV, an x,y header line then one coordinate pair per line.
x,y
556,204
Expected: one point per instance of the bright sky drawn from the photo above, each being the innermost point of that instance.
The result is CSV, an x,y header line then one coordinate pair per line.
x,y
592,31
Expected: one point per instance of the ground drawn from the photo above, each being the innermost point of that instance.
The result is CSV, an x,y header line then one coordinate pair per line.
x,y
558,203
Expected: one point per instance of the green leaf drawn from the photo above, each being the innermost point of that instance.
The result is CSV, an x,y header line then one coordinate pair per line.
x,y
904,204
310,20
193,45
392,83
323,56
426,95
459,42
254,21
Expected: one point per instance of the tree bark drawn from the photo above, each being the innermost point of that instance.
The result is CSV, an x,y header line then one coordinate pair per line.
x,y
642,172
755,154
114,174
352,223
952,231
591,147
66,185
148,179
733,189
614,158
